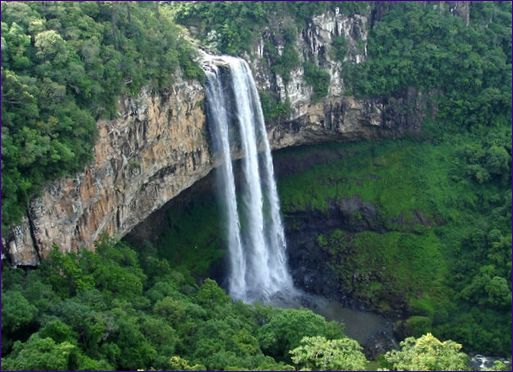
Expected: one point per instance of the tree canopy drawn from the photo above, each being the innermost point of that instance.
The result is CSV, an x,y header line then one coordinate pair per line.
x,y
318,353
114,310
427,353
64,65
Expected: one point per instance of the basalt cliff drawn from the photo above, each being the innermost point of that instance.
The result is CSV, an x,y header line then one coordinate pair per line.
x,y
159,145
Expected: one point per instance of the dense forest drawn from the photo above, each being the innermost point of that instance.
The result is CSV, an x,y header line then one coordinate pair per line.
x,y
65,66
440,255
122,309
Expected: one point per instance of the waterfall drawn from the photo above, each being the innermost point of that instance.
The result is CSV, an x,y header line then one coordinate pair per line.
x,y
255,236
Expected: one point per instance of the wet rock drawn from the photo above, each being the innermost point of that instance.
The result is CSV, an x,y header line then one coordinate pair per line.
x,y
379,344
480,362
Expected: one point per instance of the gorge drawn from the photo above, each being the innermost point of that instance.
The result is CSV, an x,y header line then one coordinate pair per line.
x,y
139,165
206,185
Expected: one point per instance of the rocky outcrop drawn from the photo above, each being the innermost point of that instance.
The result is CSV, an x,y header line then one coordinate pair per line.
x,y
338,115
308,261
461,9
155,149
159,144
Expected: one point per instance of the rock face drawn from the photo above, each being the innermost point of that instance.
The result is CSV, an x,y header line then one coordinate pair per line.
x,y
337,116
154,150
159,144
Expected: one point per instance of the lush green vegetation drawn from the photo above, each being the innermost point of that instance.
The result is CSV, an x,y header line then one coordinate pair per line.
x,y
318,78
393,267
125,310
288,60
441,244
466,69
427,353
317,353
122,309
273,108
464,184
339,48
233,27
64,66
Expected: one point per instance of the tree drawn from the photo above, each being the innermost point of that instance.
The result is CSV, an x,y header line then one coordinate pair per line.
x,y
58,331
64,273
427,353
287,327
211,295
318,353
498,161
16,39
51,46
488,288
160,334
41,354
180,364
17,312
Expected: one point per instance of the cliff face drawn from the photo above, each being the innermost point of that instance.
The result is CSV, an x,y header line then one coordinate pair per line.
x,y
154,150
338,115
159,145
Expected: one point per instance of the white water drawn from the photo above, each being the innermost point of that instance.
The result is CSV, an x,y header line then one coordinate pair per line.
x,y
219,121
256,240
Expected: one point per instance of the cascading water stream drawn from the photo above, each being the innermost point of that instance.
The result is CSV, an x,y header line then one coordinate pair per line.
x,y
219,121
256,240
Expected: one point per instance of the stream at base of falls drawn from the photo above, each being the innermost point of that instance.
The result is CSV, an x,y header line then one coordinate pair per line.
x,y
360,325
371,330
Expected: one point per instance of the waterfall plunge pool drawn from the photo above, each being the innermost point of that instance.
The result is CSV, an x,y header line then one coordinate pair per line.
x,y
371,330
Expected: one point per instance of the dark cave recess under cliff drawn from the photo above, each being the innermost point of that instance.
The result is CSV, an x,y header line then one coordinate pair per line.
x,y
188,229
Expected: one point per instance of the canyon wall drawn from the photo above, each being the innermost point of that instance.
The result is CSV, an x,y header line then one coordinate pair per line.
x,y
159,144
